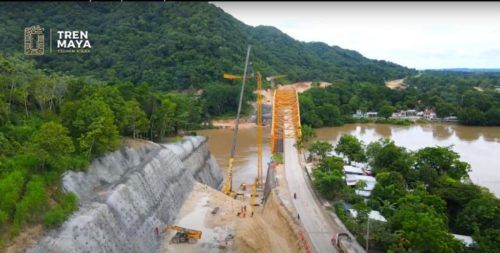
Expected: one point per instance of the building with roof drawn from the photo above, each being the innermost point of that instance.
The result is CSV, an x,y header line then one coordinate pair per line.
x,y
465,239
373,215
348,169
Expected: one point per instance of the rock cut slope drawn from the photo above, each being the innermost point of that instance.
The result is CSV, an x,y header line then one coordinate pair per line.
x,y
126,194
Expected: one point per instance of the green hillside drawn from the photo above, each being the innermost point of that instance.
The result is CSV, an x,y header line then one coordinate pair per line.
x,y
180,45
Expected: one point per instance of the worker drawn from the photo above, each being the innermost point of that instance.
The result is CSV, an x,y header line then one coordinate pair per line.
x,y
298,216
251,215
156,231
295,195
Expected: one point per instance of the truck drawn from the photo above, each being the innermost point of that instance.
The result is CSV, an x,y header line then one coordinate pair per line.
x,y
344,244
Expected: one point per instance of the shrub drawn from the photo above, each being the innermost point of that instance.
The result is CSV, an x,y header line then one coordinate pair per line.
x,y
278,158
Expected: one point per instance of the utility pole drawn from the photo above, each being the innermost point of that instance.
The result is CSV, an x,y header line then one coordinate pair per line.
x,y
367,233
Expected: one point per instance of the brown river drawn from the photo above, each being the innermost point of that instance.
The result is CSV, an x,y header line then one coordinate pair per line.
x,y
479,146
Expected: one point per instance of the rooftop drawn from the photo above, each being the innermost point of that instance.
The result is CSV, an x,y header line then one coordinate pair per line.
x,y
374,215
370,181
465,239
353,170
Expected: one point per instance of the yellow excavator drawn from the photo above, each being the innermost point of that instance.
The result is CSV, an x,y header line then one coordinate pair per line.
x,y
183,234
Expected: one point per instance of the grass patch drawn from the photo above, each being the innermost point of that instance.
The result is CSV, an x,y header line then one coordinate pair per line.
x,y
278,158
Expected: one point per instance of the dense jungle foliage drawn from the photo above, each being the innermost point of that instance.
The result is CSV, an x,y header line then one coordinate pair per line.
x,y
424,195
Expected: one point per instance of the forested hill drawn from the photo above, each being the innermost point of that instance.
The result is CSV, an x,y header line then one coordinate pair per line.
x,y
179,45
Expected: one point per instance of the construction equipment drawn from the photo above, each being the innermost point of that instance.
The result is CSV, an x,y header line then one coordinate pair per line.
x,y
344,243
259,129
228,187
183,234
234,77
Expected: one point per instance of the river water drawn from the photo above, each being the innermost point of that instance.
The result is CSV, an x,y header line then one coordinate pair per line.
x,y
479,146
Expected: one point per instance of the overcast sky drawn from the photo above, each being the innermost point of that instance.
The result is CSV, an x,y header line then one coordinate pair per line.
x,y
415,34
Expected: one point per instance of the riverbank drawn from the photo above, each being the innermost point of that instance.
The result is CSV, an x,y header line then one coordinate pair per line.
x,y
476,145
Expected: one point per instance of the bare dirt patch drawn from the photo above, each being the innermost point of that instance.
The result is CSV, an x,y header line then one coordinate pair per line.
x,y
264,232
25,240
230,123
395,84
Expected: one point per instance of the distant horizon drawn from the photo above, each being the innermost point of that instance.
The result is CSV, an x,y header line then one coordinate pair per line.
x,y
471,69
418,35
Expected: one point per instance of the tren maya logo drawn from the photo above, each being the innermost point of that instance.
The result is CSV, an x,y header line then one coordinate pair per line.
x,y
65,41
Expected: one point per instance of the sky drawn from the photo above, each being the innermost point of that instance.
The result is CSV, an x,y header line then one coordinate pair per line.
x,y
421,35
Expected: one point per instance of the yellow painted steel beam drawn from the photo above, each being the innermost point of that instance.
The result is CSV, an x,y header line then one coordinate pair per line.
x,y
231,77
285,99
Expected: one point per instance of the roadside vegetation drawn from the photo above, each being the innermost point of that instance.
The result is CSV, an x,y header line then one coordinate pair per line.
x,y
424,195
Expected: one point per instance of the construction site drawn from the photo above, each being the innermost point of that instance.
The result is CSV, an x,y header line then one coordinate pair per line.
x,y
150,197
273,209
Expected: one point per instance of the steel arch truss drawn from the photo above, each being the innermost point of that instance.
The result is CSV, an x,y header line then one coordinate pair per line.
x,y
286,117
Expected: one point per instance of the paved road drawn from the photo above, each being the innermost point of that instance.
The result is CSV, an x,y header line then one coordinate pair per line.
x,y
311,214
318,225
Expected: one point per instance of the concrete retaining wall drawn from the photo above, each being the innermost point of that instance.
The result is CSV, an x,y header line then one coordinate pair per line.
x,y
126,194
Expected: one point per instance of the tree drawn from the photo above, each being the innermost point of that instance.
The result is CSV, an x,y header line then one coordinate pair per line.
x,y
307,134
487,241
52,145
493,116
445,109
94,122
320,148
221,99
386,111
33,203
351,147
330,115
11,186
457,195
482,213
162,119
187,112
472,116
331,163
135,120
385,155
390,187
329,183
443,161
421,224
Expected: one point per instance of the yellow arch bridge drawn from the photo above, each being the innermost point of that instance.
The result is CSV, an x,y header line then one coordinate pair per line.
x,y
286,117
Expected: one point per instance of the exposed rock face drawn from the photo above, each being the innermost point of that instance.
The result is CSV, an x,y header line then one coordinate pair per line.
x,y
127,193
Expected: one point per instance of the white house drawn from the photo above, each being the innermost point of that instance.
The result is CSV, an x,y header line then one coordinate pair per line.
x,y
370,181
373,215
348,169
465,239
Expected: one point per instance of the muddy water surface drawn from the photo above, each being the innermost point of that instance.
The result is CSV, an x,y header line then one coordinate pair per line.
x,y
479,146
245,160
